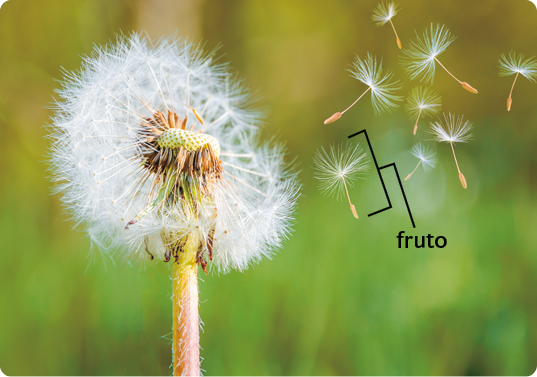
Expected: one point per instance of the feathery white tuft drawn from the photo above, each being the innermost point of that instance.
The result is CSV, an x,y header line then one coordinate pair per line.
x,y
451,129
338,165
419,61
422,100
426,155
97,165
384,12
382,89
517,63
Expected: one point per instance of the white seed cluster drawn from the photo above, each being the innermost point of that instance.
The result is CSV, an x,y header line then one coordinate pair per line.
x,y
96,161
176,138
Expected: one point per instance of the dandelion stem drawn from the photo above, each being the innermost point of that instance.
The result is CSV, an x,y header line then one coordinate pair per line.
x,y
396,36
186,353
343,112
416,168
353,209
438,61
416,125
510,100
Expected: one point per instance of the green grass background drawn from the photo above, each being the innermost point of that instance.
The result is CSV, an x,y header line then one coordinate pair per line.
x,y
340,298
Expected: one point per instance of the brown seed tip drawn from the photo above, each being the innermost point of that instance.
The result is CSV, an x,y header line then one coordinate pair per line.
x,y
197,116
408,177
469,88
353,209
509,102
463,180
399,44
333,118
415,129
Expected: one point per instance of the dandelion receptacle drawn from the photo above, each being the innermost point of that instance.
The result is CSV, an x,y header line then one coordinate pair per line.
x,y
155,156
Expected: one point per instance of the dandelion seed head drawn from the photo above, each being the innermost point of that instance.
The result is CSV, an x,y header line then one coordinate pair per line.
x,y
337,166
126,151
419,59
382,86
517,63
384,12
426,155
451,129
424,100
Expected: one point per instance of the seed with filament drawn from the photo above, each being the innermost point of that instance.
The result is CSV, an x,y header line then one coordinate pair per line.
x,y
383,13
381,87
337,169
517,64
453,129
422,55
426,156
422,101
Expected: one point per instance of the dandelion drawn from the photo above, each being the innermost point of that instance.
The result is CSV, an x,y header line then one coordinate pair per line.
x,y
426,156
338,168
516,64
384,13
452,130
422,101
381,86
421,56
153,150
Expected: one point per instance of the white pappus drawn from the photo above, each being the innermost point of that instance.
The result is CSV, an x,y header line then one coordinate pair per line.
x,y
426,156
517,64
384,12
382,87
421,57
452,129
338,168
422,100
152,142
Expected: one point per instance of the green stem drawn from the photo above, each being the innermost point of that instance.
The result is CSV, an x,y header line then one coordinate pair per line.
x,y
186,350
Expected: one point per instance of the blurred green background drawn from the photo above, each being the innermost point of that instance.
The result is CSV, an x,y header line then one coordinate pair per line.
x,y
340,298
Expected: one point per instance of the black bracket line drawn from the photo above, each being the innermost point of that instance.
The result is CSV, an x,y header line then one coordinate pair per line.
x,y
382,180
